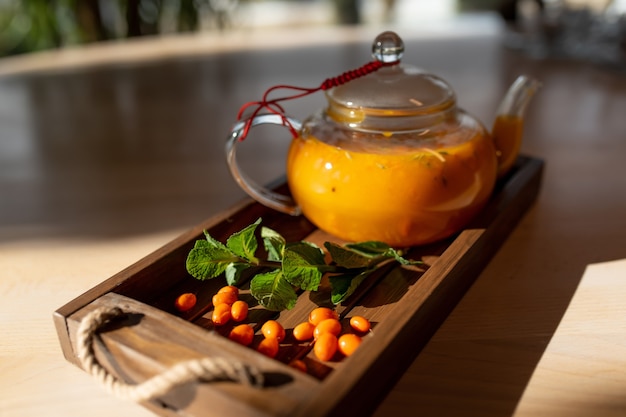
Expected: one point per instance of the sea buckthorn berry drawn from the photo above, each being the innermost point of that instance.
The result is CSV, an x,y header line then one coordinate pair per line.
x,y
325,346
221,314
299,365
272,329
321,313
327,326
239,310
268,347
224,298
303,331
348,343
360,324
230,289
185,302
242,334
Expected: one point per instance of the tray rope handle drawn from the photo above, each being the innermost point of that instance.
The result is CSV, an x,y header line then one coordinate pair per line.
x,y
204,369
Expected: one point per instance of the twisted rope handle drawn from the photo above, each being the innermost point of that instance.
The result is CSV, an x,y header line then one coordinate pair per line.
x,y
205,369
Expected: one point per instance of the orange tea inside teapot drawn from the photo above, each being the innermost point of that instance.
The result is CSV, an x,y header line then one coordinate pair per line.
x,y
405,196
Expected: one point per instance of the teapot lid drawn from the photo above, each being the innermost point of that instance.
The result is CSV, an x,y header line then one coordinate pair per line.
x,y
395,89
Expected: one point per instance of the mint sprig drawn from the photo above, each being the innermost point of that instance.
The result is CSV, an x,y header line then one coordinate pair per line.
x,y
289,266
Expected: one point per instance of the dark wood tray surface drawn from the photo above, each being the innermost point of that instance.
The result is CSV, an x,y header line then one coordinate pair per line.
x,y
405,306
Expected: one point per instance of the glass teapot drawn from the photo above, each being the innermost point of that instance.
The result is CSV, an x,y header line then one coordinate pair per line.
x,y
391,158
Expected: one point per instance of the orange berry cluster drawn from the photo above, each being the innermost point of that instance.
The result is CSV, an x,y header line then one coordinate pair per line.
x,y
324,327
226,307
274,333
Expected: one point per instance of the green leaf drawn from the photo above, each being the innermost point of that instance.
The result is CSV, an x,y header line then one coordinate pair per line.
x,y
207,261
375,249
274,244
234,273
344,285
346,257
303,265
213,242
293,265
273,291
371,249
244,244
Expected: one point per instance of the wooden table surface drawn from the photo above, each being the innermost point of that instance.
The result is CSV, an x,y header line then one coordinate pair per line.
x,y
108,153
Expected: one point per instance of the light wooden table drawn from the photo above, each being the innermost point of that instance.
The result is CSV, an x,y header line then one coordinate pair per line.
x,y
102,163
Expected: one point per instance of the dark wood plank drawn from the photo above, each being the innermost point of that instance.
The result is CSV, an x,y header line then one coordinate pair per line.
x,y
406,306
150,341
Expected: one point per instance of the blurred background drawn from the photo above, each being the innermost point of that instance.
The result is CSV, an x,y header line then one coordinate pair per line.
x,y
594,29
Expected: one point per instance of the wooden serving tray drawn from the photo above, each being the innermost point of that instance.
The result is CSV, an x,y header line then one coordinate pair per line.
x,y
405,305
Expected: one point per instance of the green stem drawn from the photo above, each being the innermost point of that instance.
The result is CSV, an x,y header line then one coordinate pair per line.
x,y
269,264
377,261
333,269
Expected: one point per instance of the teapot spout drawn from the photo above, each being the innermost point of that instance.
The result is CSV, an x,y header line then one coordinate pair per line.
x,y
508,126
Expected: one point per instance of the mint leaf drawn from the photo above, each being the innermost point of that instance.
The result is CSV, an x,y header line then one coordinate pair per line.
x,y
234,272
371,249
304,265
273,291
299,265
274,244
244,244
207,260
380,250
213,242
346,257
344,285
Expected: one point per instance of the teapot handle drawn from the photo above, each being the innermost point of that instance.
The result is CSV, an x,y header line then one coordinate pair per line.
x,y
263,195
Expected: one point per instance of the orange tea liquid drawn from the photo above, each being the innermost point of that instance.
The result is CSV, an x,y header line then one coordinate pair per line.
x,y
507,135
403,198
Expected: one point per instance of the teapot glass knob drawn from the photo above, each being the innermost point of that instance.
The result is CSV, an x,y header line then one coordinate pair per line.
x,y
388,47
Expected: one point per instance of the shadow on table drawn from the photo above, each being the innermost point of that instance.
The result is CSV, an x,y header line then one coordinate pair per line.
x,y
482,358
